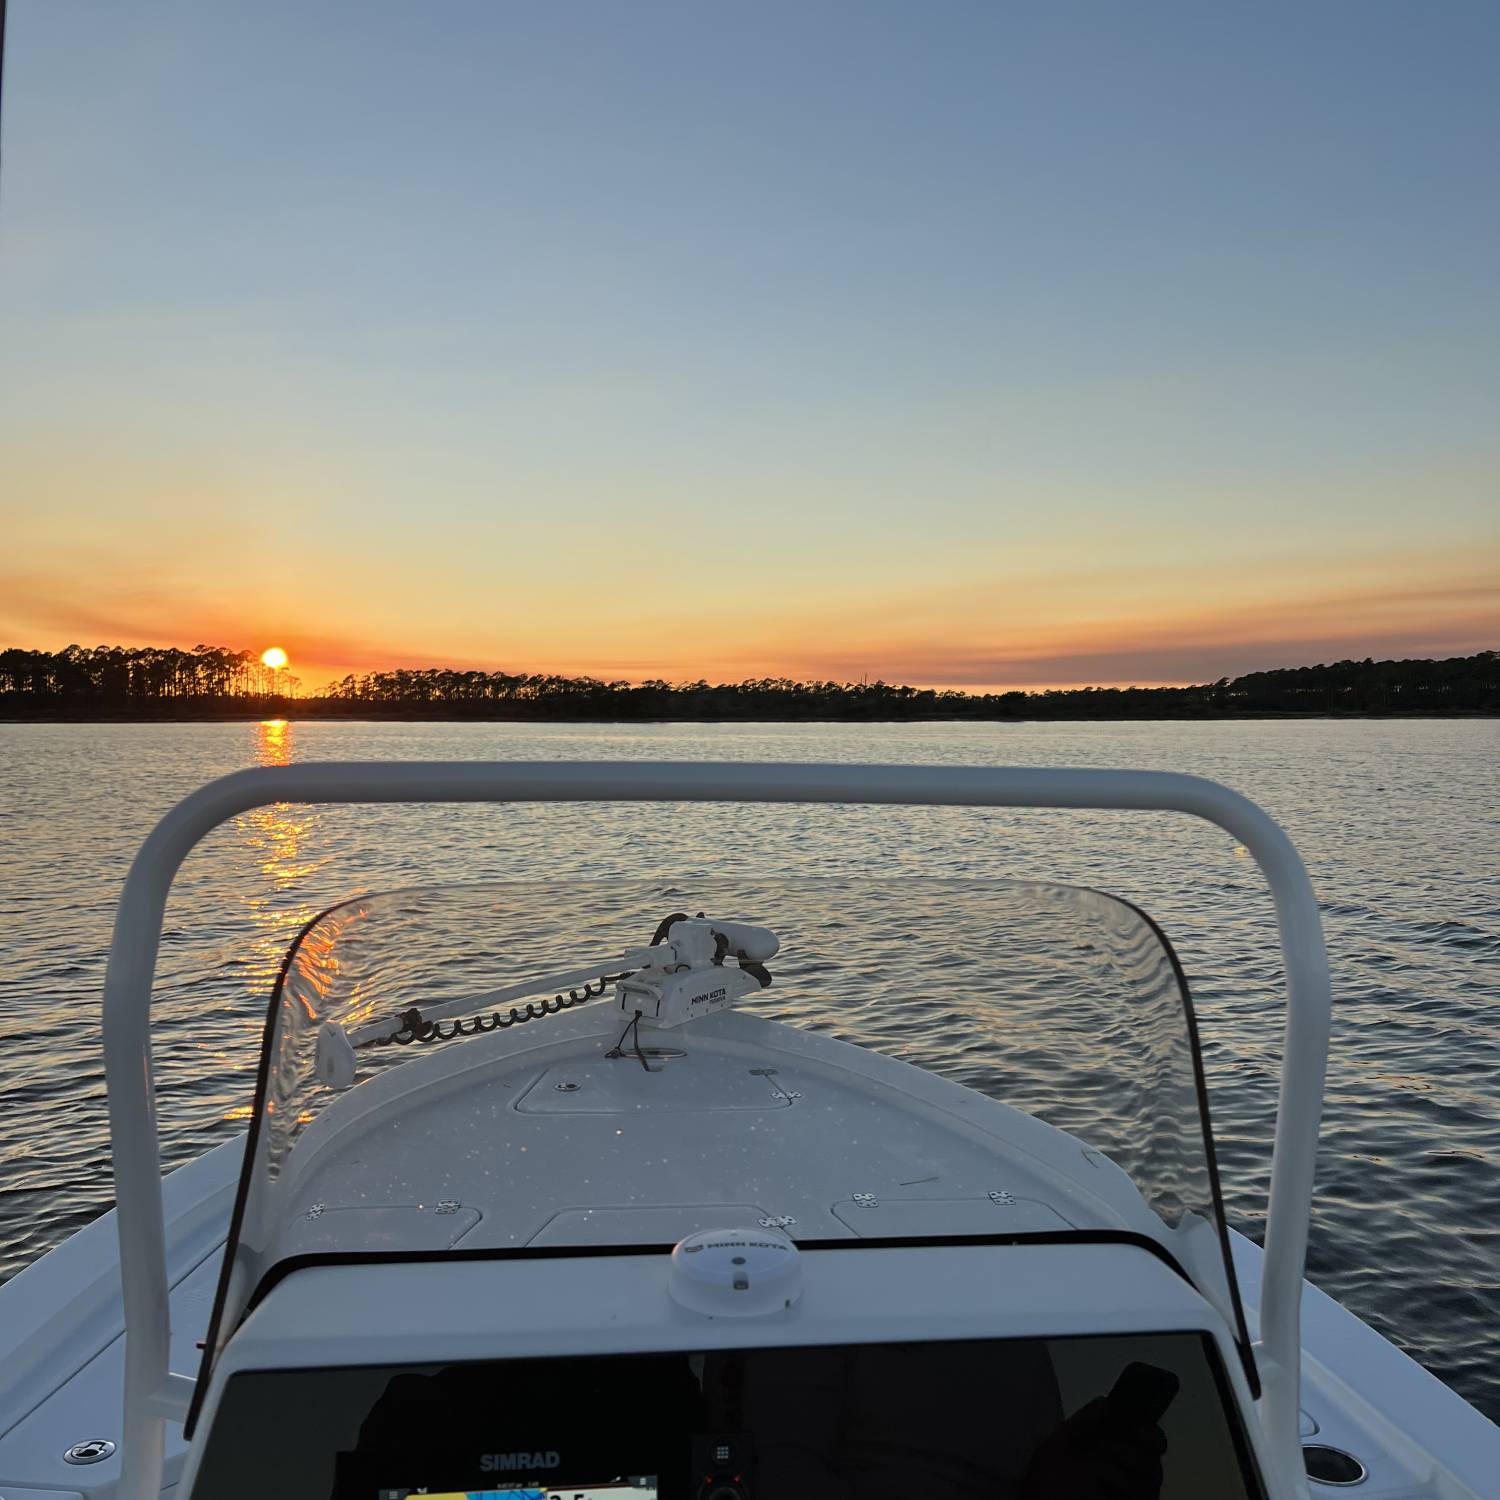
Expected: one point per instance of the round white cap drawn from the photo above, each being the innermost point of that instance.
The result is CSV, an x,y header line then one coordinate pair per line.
x,y
736,1273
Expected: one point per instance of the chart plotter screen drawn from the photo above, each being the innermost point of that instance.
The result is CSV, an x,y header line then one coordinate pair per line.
x,y
630,1487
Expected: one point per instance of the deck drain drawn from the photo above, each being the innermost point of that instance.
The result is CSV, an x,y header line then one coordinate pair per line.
x,y
1332,1465
96,1450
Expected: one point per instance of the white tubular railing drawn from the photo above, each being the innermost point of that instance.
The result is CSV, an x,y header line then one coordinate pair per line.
x,y
152,1394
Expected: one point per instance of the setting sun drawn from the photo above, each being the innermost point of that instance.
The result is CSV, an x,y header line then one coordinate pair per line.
x,y
274,657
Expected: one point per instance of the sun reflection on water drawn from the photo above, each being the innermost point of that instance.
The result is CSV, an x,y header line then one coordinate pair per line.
x,y
279,840
276,833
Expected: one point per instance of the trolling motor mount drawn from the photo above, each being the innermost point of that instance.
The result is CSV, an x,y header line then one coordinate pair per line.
x,y
684,976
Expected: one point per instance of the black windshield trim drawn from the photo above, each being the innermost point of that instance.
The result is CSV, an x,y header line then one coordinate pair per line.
x,y
247,1165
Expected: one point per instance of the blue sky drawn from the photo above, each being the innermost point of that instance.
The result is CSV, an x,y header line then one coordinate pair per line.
x,y
961,343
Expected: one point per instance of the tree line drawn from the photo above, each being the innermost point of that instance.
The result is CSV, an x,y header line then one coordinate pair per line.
x,y
127,677
214,681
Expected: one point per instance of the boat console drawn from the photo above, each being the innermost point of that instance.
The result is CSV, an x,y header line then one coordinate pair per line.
x,y
941,1371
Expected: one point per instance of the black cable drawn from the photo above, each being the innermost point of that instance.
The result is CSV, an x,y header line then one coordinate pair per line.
x,y
415,1029
633,1031
665,926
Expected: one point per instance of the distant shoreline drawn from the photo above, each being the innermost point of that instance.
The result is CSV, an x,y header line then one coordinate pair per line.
x,y
150,684
397,717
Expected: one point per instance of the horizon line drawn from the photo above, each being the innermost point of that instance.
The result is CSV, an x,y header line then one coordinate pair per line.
x,y
251,658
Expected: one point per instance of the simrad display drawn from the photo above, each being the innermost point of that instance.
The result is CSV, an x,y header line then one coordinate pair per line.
x,y
629,1487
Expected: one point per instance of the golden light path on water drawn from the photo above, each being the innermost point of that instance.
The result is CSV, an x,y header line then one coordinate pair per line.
x,y
278,838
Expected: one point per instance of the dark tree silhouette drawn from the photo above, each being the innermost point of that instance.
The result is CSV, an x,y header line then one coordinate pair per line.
x,y
214,681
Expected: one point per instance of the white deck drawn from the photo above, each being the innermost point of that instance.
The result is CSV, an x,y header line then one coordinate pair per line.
x,y
538,1138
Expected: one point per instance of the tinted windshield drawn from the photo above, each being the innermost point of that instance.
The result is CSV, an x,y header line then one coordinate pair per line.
x,y
450,1069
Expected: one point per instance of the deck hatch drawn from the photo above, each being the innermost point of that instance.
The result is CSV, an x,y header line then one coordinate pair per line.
x,y
622,1087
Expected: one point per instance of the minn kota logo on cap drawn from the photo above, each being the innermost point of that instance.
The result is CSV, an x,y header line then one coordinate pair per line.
x,y
735,1273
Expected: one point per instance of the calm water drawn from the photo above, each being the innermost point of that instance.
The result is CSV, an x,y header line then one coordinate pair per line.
x,y
1399,824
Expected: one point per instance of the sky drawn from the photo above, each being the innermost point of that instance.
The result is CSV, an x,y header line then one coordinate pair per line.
x,y
966,345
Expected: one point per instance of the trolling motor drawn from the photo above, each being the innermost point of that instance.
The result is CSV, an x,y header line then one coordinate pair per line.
x,y
681,976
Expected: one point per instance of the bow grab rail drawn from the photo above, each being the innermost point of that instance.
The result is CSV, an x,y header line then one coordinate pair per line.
x,y
153,1394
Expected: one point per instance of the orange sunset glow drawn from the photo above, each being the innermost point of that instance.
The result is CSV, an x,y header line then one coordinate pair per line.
x,y
1035,621
1125,396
